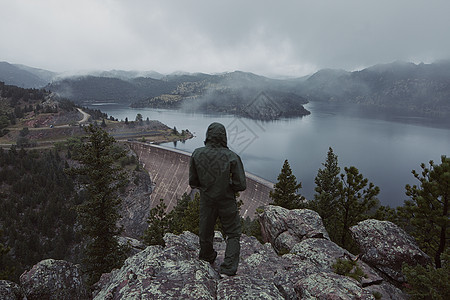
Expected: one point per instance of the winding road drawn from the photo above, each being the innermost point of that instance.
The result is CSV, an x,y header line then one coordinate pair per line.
x,y
85,116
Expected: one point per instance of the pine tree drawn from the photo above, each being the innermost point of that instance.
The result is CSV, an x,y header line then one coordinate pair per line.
x,y
6,271
328,189
139,118
158,225
428,209
354,204
99,213
177,214
191,219
285,190
429,282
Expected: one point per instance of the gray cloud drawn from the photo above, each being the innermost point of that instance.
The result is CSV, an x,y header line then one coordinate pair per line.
x,y
266,37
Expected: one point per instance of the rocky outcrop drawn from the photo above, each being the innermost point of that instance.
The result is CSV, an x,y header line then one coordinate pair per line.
x,y
134,246
305,273
385,246
54,279
10,291
175,272
284,228
158,273
324,253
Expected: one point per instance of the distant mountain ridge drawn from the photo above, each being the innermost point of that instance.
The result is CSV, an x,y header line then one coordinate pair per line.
x,y
420,89
23,76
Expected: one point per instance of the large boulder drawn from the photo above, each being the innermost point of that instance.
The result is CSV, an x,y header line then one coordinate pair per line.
x,y
247,287
284,228
324,285
324,253
172,272
54,279
10,291
385,247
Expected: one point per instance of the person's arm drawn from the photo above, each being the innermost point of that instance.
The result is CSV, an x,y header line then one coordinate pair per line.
x,y
193,176
238,180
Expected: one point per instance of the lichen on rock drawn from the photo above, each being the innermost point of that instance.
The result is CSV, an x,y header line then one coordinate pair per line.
x,y
175,272
385,246
284,228
54,279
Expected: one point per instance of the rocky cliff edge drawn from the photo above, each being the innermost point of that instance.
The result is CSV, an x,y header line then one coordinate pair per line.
x,y
304,272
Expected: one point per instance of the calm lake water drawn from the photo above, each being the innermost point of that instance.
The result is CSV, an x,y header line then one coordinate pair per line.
x,y
384,148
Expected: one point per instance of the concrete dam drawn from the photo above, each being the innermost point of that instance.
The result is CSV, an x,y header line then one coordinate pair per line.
x,y
169,172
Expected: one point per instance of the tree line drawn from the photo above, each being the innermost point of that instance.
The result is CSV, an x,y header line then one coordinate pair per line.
x,y
344,199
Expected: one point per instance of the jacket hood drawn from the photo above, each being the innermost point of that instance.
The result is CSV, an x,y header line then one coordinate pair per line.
x,y
216,136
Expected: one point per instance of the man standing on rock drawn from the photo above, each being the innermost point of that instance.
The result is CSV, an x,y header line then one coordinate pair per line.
x,y
218,173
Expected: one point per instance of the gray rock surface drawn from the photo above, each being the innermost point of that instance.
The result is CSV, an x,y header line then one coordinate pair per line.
x,y
136,205
247,287
172,272
284,228
134,245
175,272
385,246
324,285
324,253
10,291
53,279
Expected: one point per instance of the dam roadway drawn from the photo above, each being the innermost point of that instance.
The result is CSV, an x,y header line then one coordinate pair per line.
x,y
169,171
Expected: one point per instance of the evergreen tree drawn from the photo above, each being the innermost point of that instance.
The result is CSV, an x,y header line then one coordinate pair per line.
x,y
139,118
428,209
99,213
429,282
328,189
5,270
177,214
285,190
191,218
252,228
158,225
353,205
183,217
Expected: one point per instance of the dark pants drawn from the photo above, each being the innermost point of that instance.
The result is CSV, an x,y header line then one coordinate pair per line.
x,y
228,213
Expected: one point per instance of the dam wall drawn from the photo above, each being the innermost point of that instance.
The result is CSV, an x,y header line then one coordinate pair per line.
x,y
169,171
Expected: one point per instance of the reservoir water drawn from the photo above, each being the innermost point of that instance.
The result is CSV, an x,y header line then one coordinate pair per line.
x,y
383,147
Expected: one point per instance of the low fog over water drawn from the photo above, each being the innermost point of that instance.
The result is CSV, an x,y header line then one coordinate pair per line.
x,y
384,148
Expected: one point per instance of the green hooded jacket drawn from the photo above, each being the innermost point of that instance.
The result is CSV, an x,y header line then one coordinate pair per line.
x,y
216,170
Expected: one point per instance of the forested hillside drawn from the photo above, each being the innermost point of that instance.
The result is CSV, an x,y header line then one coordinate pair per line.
x,y
23,76
88,89
422,89
36,208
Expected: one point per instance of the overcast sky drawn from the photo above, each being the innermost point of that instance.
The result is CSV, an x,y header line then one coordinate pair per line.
x,y
291,38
